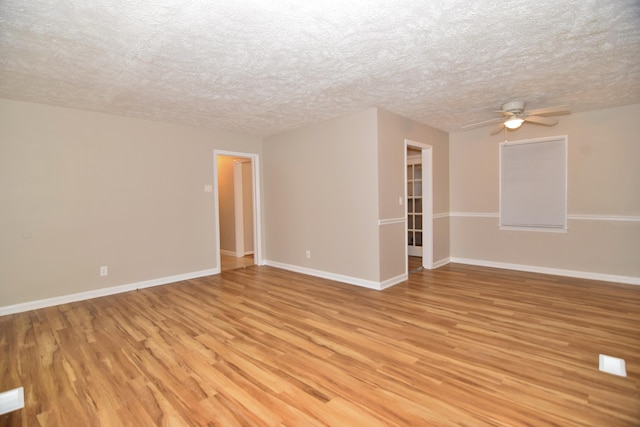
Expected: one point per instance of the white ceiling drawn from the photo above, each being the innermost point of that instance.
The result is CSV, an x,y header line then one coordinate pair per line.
x,y
264,66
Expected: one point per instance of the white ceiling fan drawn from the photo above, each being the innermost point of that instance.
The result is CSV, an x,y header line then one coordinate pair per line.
x,y
514,114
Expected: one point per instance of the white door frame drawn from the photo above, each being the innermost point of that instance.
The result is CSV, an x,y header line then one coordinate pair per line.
x,y
257,218
427,202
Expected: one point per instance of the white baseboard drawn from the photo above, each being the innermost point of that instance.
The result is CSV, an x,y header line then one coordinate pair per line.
x,y
440,263
393,281
11,400
331,276
629,280
65,299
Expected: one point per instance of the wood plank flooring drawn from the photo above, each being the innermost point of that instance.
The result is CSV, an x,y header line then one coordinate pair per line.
x,y
228,262
258,346
414,264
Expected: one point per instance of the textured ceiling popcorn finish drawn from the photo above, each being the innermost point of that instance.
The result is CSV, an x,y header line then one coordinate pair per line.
x,y
262,67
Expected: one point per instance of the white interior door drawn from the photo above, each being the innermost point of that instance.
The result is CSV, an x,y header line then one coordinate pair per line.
x,y
414,206
419,197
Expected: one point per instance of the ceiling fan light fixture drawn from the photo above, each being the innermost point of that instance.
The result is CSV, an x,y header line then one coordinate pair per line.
x,y
514,123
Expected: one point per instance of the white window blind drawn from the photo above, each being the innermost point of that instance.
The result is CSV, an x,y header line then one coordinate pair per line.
x,y
533,183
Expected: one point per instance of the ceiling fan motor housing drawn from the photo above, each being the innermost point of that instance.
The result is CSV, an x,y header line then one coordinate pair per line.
x,y
515,107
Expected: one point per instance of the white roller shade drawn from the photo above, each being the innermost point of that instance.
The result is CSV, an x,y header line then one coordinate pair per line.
x,y
533,183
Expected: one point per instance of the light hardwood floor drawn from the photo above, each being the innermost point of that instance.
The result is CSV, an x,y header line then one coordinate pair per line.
x,y
457,346
231,262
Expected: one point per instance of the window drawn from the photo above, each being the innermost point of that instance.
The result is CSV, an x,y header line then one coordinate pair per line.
x,y
533,184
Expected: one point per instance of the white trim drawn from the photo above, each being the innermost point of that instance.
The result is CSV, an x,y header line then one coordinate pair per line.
x,y
391,221
331,276
81,296
537,229
257,211
629,218
404,219
394,281
441,262
572,217
228,253
630,280
474,214
238,202
11,400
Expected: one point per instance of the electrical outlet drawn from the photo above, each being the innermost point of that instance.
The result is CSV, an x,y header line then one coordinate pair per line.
x,y
104,271
308,254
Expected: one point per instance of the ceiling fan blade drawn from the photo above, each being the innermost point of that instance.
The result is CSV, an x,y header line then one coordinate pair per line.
x,y
541,120
550,111
484,122
497,129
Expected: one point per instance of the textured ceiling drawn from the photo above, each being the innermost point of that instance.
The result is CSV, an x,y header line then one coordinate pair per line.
x,y
264,66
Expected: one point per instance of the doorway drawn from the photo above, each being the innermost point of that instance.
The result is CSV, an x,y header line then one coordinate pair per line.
x,y
237,207
419,206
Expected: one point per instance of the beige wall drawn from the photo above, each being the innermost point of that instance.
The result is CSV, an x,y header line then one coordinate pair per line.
x,y
603,197
329,184
392,132
79,190
321,195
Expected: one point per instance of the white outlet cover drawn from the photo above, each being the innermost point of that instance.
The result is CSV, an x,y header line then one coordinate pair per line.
x,y
613,365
